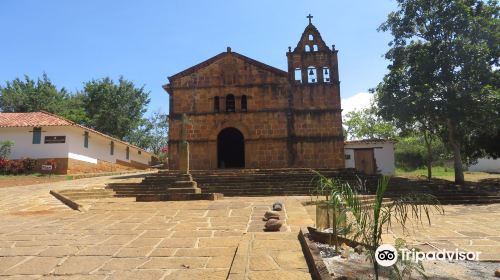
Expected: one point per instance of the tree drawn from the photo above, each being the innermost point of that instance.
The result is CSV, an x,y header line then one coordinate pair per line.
x,y
29,95
365,124
444,71
115,109
152,134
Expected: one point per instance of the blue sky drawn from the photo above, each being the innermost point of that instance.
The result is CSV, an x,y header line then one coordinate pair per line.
x,y
147,41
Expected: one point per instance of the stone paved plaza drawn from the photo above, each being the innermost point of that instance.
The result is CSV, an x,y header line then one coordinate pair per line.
x,y
123,239
40,238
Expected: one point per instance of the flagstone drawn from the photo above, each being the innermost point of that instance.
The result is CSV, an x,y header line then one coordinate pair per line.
x,y
36,265
80,265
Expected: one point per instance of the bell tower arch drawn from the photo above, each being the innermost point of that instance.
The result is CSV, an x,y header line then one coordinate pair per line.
x,y
312,61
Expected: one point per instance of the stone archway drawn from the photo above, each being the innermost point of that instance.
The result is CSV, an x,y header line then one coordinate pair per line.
x,y
230,148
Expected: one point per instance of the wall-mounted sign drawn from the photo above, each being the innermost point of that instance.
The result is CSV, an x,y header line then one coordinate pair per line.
x,y
46,167
54,139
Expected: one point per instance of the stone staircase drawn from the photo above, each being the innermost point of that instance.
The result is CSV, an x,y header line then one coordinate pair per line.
x,y
445,191
239,182
297,181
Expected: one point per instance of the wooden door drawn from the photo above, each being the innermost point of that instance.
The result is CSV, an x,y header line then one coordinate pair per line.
x,y
364,161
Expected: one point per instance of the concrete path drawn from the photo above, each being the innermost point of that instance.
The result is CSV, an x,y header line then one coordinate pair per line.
x,y
40,238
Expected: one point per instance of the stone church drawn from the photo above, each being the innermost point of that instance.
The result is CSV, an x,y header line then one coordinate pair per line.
x,y
237,112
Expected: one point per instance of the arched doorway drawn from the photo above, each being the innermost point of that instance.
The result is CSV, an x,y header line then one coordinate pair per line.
x,y
230,149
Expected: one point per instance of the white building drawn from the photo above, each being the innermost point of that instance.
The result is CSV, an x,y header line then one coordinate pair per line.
x,y
370,156
75,149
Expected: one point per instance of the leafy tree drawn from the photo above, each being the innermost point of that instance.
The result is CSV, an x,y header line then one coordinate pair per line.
x,y
152,134
444,71
411,152
365,124
115,109
29,95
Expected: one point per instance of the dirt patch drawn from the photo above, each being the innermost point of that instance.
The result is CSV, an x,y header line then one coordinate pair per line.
x,y
31,213
14,181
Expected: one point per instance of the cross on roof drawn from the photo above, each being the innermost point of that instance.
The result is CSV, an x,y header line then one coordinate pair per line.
x,y
310,18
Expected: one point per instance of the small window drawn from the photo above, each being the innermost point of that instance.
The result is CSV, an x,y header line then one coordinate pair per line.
x,y
307,48
139,152
326,75
311,37
311,75
298,75
347,156
216,104
244,103
127,153
86,139
315,48
230,103
37,135
112,148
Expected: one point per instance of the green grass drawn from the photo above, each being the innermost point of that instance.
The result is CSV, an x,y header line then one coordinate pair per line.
x,y
437,171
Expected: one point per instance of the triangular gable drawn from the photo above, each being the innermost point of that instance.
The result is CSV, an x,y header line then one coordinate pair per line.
x,y
317,40
211,60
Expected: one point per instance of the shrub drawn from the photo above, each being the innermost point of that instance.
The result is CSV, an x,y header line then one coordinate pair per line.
x,y
28,164
15,167
3,165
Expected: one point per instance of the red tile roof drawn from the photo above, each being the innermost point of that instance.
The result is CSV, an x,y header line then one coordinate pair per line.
x,y
31,119
42,118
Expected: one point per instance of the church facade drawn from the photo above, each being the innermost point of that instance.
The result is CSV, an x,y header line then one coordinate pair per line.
x,y
237,112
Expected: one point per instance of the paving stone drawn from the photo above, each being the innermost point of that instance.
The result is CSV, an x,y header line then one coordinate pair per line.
x,y
220,262
80,265
144,242
175,263
205,274
99,251
291,260
34,266
262,262
133,252
192,233
178,242
219,242
137,274
21,251
279,275
204,252
163,252
124,263
8,262
276,245
59,251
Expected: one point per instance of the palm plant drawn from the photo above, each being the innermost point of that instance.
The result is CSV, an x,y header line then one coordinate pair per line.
x,y
366,222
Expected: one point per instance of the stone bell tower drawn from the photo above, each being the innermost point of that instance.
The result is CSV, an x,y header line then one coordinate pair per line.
x,y
315,126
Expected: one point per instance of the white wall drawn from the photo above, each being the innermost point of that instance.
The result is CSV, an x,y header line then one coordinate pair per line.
x,y
99,146
23,142
349,163
486,165
383,153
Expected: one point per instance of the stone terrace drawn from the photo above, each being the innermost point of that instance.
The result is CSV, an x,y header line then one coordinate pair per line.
x,y
122,239
40,238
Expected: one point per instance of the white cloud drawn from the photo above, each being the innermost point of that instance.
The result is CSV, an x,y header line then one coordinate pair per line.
x,y
356,102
